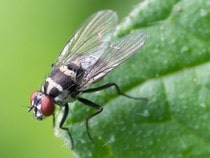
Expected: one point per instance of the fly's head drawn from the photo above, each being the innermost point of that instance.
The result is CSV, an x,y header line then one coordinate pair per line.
x,y
41,104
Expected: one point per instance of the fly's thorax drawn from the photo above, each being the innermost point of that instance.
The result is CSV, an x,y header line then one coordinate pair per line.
x,y
79,72
63,82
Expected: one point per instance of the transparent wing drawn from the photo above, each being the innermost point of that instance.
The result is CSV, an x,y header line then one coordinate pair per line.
x,y
117,52
89,41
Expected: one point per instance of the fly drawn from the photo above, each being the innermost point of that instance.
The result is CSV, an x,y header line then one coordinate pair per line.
x,y
87,57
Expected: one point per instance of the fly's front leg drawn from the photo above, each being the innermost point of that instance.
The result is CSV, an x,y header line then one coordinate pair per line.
x,y
93,105
61,124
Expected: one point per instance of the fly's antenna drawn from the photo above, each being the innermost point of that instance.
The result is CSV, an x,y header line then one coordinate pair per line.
x,y
30,108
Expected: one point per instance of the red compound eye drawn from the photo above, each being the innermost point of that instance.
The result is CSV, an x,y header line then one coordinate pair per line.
x,y
47,106
33,95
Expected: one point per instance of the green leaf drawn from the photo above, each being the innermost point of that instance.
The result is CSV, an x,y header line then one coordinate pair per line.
x,y
172,71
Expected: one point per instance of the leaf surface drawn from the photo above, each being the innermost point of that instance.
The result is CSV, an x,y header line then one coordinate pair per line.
x,y
171,71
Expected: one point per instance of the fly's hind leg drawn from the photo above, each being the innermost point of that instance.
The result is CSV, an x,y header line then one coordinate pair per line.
x,y
98,107
109,85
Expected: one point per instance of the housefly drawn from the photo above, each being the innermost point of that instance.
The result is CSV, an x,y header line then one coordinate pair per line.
x,y
87,57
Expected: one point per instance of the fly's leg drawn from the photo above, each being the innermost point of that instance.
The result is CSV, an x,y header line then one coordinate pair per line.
x,y
61,124
93,105
98,107
53,116
108,85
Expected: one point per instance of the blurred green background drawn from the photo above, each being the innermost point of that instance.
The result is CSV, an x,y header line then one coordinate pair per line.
x,y
32,33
